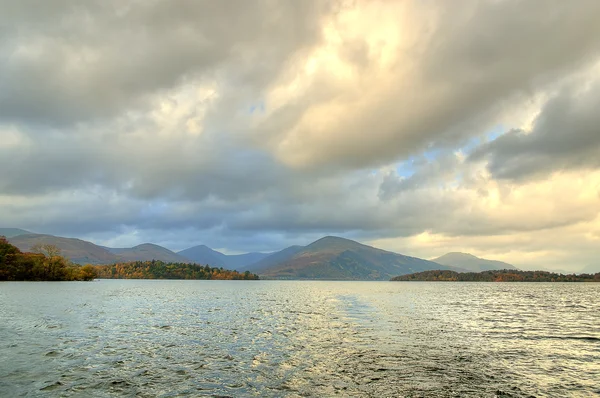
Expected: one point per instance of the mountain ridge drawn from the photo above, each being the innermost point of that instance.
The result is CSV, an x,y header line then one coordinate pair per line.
x,y
12,232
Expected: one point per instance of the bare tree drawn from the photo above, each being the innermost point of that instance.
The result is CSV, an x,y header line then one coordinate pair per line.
x,y
46,249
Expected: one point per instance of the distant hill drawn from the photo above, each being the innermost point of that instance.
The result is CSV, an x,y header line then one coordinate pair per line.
x,y
470,263
77,250
10,232
149,252
203,254
343,259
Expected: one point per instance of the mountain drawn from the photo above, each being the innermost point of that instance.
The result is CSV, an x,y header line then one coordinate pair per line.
x,y
77,250
470,263
203,254
343,259
149,252
10,232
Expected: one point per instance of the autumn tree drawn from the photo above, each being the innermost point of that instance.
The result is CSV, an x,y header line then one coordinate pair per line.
x,y
88,273
9,259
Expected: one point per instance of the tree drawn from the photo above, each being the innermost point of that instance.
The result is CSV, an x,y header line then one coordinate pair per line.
x,y
9,259
87,272
46,249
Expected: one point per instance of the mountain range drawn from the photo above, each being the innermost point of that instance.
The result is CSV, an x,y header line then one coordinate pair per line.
x,y
331,257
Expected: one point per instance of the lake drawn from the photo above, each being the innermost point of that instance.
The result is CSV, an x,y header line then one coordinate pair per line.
x,y
112,338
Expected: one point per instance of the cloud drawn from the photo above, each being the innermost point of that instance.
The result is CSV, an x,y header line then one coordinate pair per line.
x,y
74,62
565,135
436,73
256,125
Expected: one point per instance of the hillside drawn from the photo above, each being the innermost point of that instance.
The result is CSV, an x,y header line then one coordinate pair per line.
x,y
343,259
470,263
77,250
11,232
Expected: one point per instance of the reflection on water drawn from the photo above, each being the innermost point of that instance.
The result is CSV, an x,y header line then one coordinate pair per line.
x,y
292,339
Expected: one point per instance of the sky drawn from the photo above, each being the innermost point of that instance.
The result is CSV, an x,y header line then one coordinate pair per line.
x,y
420,127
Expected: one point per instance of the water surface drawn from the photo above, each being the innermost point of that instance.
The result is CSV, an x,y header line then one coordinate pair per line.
x,y
292,339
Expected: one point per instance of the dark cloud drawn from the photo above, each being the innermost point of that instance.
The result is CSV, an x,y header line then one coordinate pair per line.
x,y
565,135
74,62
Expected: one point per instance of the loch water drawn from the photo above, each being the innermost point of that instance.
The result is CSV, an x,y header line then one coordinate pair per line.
x,y
133,338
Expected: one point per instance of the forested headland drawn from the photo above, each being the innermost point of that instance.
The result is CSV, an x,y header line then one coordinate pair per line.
x,y
496,276
160,270
44,264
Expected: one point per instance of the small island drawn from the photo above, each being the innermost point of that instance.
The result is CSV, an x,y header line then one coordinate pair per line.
x,y
161,270
495,276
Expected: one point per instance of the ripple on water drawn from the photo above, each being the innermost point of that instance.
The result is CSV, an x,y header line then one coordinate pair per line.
x,y
211,338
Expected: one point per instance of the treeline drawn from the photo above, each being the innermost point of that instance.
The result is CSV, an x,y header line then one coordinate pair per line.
x,y
160,270
45,264
496,276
